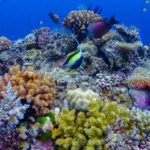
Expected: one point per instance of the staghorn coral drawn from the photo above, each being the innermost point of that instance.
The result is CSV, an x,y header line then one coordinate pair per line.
x,y
4,43
36,89
78,21
140,79
79,99
79,130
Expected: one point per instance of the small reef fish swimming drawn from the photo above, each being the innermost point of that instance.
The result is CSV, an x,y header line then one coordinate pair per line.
x,y
74,59
54,17
101,27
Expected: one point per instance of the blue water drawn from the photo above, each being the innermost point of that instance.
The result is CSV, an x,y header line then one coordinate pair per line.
x,y
20,17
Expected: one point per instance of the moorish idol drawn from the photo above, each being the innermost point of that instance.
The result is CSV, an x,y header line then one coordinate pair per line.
x,y
74,59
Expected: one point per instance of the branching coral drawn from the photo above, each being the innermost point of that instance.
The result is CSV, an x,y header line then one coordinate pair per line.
x,y
11,108
36,89
121,137
86,130
79,99
78,21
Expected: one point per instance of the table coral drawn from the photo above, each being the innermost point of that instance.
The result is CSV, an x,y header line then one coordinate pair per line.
x,y
79,130
36,89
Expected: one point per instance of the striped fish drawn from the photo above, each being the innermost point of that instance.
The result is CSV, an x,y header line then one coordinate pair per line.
x,y
74,59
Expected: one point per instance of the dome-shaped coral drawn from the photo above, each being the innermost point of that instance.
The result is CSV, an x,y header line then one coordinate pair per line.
x,y
79,99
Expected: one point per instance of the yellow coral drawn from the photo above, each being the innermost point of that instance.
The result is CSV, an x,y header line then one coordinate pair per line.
x,y
85,130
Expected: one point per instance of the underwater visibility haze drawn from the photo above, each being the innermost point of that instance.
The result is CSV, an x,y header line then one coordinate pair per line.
x,y
74,75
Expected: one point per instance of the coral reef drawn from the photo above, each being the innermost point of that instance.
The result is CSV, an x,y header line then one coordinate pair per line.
x,y
4,43
79,99
86,130
78,21
33,87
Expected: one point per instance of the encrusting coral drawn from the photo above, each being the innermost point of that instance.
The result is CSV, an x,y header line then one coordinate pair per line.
x,y
79,99
79,130
78,21
36,89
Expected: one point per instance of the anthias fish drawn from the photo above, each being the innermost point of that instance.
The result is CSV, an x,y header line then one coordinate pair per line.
x,y
101,27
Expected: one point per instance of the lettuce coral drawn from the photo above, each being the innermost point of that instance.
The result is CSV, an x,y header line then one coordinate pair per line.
x,y
79,99
79,130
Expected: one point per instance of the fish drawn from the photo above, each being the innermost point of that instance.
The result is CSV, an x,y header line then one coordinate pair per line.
x,y
74,59
101,27
54,17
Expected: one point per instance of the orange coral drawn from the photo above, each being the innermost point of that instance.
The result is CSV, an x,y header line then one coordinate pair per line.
x,y
35,88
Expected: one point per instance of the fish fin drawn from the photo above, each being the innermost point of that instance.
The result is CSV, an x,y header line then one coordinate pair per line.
x,y
112,21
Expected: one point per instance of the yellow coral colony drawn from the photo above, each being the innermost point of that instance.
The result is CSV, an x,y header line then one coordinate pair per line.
x,y
86,130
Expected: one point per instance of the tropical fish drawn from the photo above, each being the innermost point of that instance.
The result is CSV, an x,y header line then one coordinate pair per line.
x,y
101,27
74,59
54,17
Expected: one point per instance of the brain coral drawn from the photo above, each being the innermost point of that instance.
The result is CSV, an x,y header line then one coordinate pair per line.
x,y
78,21
36,89
79,99
79,130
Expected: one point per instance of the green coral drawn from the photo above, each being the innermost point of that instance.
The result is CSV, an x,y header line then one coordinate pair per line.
x,y
86,130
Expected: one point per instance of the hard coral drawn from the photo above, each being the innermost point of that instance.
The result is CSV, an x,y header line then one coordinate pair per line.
x,y
140,79
78,21
4,43
11,108
42,36
34,88
79,99
79,130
